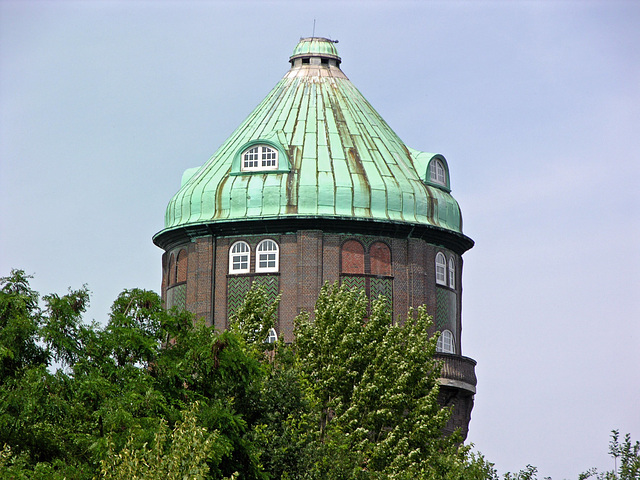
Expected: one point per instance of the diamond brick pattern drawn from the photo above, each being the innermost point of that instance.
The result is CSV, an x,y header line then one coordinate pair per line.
x,y
177,297
271,285
382,286
237,288
442,308
354,282
446,309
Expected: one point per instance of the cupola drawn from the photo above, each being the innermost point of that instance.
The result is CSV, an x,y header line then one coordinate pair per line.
x,y
315,51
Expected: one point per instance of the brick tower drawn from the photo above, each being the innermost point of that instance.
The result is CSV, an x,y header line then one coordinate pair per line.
x,y
315,187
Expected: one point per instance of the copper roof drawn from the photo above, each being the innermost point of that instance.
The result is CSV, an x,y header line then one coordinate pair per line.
x,y
337,159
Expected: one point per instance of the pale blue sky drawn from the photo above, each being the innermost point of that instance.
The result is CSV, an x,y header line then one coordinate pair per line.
x,y
535,105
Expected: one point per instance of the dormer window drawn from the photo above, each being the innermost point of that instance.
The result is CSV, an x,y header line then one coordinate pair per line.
x,y
437,172
260,157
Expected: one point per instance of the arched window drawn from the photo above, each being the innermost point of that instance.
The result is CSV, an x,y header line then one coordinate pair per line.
x,y
259,157
181,266
272,337
452,273
239,257
446,342
171,273
441,269
352,257
380,257
267,256
437,172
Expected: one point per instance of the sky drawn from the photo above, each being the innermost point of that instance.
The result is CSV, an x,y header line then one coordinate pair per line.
x,y
535,105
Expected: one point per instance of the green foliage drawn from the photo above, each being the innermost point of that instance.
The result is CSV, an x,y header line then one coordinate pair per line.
x,y
181,453
154,394
116,383
353,397
628,456
528,473
63,332
373,390
19,323
255,316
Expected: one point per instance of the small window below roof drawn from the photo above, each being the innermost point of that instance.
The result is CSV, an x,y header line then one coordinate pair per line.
x,y
259,157
452,273
239,258
437,173
267,256
441,269
446,343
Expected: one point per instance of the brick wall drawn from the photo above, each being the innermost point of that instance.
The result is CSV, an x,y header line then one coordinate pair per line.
x,y
308,259
352,257
289,254
309,269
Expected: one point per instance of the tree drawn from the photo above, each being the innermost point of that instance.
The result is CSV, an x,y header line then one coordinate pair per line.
x,y
115,383
372,387
158,394
629,455
19,323
181,453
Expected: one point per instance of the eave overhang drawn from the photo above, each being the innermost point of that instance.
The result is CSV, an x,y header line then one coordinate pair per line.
x,y
173,237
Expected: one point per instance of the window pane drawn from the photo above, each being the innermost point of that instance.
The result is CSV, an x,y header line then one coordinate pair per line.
x,y
452,273
240,262
260,157
437,172
267,256
267,246
441,269
267,260
250,159
446,343
239,258
240,247
268,157
272,337
440,171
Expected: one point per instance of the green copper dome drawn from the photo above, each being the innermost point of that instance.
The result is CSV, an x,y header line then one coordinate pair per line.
x,y
315,148
315,46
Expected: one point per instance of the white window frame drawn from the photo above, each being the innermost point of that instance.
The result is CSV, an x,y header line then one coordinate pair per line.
x,y
452,272
441,269
258,158
446,342
267,256
272,336
437,172
236,263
